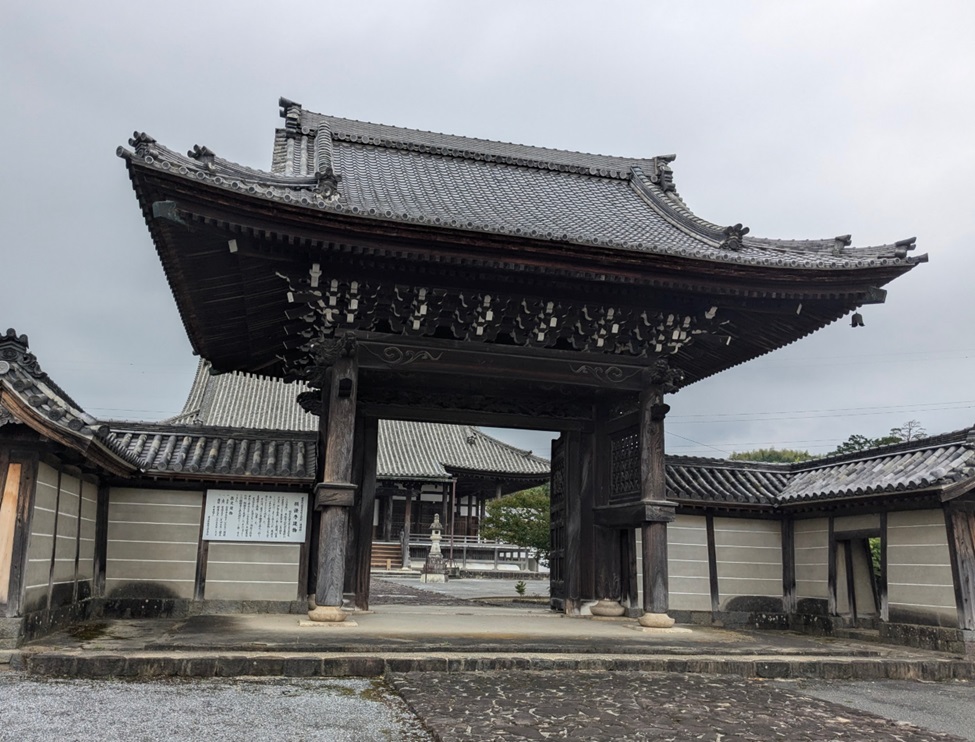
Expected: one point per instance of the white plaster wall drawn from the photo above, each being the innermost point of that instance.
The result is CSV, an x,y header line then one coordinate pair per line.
x,y
919,565
66,544
749,557
856,522
153,536
41,545
812,552
86,536
687,561
252,571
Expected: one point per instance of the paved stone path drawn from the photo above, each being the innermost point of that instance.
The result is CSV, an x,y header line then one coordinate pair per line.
x,y
634,706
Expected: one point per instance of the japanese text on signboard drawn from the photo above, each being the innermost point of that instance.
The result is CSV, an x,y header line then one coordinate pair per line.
x,y
232,515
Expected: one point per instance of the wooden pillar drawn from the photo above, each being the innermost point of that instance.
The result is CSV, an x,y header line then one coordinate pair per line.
x,y
445,504
629,583
789,599
713,583
366,502
579,549
407,529
653,493
831,601
335,494
960,522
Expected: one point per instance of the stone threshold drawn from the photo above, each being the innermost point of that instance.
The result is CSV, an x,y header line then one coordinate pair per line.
x,y
282,664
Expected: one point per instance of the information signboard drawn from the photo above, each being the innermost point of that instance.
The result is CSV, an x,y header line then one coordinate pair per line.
x,y
235,515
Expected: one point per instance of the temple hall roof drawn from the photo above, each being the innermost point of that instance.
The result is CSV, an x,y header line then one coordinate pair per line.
x,y
239,402
397,175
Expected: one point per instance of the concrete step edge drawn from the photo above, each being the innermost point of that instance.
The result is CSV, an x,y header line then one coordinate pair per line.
x,y
212,664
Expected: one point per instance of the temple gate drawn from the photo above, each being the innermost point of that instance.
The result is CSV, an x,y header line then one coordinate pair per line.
x,y
415,276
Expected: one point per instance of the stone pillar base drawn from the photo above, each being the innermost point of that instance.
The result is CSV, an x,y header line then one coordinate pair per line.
x,y
656,621
327,613
433,577
607,607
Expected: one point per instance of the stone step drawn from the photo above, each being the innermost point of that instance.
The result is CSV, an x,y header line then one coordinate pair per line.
x,y
293,664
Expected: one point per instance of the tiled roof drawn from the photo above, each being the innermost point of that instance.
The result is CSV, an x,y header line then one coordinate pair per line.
x,y
434,450
195,451
720,481
240,400
406,449
29,396
927,463
391,174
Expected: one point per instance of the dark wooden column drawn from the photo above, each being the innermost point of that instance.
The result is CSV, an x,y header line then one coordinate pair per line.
x,y
658,512
335,494
366,507
445,504
579,548
789,600
960,521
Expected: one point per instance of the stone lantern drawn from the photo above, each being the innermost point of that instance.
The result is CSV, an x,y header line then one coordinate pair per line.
x,y
434,569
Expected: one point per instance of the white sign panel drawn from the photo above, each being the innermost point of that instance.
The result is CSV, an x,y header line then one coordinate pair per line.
x,y
233,515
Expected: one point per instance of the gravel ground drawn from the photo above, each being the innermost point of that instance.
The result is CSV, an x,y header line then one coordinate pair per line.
x,y
339,710
635,706
386,592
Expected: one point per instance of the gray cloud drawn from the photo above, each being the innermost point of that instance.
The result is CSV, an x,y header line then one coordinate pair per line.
x,y
799,120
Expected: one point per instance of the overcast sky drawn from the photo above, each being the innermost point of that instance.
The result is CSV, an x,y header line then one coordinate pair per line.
x,y
797,119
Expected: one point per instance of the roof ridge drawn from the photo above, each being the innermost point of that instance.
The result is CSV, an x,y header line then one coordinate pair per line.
x,y
477,156
299,120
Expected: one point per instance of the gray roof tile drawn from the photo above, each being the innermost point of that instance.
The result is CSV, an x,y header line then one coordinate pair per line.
x,y
406,449
401,175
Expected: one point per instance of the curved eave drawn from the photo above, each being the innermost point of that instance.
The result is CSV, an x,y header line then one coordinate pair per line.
x,y
294,198
97,452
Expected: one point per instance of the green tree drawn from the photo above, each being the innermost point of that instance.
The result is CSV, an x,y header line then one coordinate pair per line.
x,y
772,455
909,431
912,430
521,518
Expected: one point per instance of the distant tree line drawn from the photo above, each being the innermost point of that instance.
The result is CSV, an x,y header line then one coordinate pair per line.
x,y
912,430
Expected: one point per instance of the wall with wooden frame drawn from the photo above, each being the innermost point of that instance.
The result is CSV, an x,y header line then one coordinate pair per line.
x,y
153,542
155,550
60,565
252,571
687,559
920,587
748,557
812,559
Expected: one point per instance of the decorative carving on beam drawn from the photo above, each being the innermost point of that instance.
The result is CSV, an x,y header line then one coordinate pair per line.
x,y
668,380
399,357
326,307
605,374
318,355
